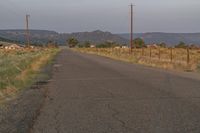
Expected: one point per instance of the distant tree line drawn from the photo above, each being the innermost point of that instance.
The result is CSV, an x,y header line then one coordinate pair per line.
x,y
8,40
107,44
73,42
137,43
183,45
85,44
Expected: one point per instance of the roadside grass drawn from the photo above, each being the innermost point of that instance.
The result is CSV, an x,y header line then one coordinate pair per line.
x,y
19,68
175,59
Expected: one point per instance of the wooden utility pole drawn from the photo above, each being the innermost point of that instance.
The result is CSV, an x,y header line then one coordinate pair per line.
x,y
27,31
131,34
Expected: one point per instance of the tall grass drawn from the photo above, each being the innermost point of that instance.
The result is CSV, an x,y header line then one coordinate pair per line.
x,y
18,68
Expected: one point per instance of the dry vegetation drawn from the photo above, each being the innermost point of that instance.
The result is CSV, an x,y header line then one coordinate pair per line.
x,y
19,68
176,58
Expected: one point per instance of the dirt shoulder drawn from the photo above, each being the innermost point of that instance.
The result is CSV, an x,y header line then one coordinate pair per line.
x,y
17,115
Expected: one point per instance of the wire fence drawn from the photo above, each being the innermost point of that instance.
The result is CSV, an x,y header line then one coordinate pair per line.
x,y
181,56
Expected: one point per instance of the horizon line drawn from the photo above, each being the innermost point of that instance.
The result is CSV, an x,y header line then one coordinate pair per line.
x,y
107,31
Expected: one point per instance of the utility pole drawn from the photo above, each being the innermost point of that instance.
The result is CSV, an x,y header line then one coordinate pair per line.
x,y
131,34
27,31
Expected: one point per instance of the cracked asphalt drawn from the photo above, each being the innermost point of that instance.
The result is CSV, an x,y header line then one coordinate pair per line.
x,y
93,94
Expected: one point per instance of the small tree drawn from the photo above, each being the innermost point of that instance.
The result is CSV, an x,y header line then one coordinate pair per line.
x,y
80,46
86,44
107,44
193,46
72,42
139,43
162,44
181,45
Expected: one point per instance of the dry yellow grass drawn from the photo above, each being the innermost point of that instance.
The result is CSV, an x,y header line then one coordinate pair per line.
x,y
166,58
20,67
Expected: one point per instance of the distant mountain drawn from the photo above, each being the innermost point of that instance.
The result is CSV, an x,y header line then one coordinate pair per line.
x,y
43,36
37,36
168,38
98,37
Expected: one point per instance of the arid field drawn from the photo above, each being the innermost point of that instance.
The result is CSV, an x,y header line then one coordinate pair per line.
x,y
167,58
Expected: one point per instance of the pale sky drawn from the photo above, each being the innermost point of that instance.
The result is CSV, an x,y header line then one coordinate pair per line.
x,y
107,15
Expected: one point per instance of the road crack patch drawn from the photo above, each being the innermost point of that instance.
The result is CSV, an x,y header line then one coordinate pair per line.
x,y
57,125
115,115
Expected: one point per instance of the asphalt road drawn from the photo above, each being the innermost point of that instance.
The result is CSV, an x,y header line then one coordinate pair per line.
x,y
93,94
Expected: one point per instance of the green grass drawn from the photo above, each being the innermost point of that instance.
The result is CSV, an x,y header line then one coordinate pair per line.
x,y
19,68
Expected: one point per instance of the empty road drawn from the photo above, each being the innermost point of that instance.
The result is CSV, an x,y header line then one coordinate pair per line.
x,y
93,94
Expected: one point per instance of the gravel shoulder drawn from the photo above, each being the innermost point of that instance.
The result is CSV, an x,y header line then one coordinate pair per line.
x,y
17,114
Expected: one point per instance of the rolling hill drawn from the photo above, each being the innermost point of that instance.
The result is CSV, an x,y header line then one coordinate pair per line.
x,y
43,36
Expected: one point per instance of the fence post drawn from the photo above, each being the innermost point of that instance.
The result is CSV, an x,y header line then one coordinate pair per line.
x,y
188,55
171,54
134,51
142,51
159,53
150,52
